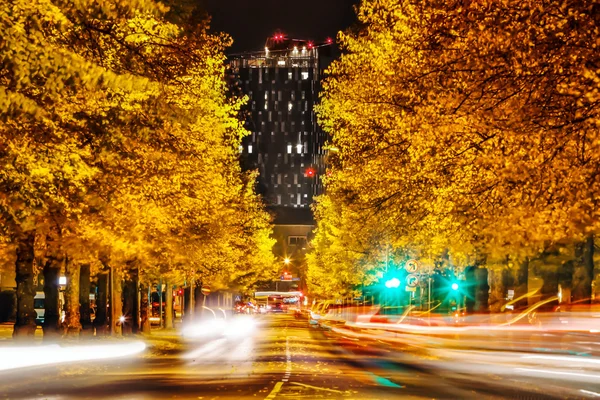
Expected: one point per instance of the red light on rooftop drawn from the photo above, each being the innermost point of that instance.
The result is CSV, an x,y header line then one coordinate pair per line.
x,y
310,172
329,40
310,45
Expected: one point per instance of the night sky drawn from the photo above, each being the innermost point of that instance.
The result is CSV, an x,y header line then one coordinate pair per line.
x,y
250,22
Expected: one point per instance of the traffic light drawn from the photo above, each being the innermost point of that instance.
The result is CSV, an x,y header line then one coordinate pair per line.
x,y
455,286
392,283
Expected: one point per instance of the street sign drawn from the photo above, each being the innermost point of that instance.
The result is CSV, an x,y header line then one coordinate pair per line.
x,y
412,280
238,298
411,266
205,290
286,276
410,289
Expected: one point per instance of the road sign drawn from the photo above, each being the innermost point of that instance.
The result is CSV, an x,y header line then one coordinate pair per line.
x,y
411,266
286,276
412,280
410,289
205,290
238,298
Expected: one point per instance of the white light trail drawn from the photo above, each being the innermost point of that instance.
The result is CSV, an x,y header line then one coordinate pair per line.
x,y
21,357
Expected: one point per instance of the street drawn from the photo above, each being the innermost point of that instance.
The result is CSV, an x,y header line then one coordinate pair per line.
x,y
286,358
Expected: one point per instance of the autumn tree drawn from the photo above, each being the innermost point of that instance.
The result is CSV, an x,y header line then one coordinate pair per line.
x,y
467,127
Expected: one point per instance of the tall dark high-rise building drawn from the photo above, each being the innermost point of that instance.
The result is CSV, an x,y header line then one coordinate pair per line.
x,y
286,144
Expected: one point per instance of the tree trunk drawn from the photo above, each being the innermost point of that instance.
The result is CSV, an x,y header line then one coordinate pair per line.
x,y
101,322
522,282
144,311
499,279
583,273
72,316
116,304
84,300
482,290
471,289
169,306
25,324
51,294
198,300
192,301
130,310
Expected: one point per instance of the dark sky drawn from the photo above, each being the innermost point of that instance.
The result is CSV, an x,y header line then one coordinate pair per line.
x,y
250,22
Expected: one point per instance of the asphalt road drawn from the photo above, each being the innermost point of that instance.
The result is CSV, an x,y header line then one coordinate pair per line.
x,y
285,358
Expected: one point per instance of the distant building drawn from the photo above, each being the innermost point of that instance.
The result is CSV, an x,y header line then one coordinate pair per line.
x,y
286,144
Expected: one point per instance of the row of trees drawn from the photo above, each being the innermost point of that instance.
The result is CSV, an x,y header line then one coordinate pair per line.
x,y
118,148
463,133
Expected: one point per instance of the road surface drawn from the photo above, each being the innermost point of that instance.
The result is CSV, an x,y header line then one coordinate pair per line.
x,y
285,358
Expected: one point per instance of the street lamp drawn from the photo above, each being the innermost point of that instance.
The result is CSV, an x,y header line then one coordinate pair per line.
x,y
286,261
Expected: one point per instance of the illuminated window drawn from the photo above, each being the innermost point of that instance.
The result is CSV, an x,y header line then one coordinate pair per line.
x,y
290,106
241,148
289,75
278,199
305,195
304,75
266,95
289,149
279,179
281,63
295,179
249,149
299,148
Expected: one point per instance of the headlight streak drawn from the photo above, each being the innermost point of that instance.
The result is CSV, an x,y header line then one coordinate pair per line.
x,y
21,357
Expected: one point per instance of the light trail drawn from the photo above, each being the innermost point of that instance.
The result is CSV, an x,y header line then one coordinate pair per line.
x,y
21,357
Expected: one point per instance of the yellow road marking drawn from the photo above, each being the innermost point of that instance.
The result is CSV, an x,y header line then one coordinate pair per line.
x,y
275,390
316,387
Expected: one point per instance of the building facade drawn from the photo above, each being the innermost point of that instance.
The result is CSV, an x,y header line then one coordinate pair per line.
x,y
286,145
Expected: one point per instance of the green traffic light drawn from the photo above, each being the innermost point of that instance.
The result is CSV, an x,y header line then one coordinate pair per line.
x,y
392,283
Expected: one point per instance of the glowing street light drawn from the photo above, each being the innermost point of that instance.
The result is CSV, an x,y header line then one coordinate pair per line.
x,y
455,286
286,261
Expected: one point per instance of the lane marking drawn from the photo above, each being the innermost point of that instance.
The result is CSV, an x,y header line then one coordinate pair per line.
x,y
316,387
275,390
590,393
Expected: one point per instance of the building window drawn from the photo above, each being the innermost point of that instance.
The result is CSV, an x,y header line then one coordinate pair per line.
x,y
289,149
289,75
279,179
303,95
304,75
295,179
290,106
305,195
297,240
279,96
279,199
266,95
299,148
249,149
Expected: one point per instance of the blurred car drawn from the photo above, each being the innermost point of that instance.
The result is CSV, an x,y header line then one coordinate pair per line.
x,y
245,308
